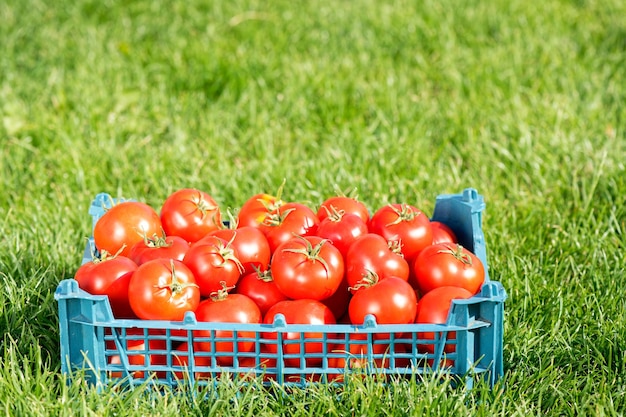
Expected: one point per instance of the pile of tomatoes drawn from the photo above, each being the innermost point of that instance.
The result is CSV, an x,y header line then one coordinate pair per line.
x,y
335,263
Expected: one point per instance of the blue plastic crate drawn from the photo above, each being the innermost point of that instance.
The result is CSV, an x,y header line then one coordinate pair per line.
x,y
96,343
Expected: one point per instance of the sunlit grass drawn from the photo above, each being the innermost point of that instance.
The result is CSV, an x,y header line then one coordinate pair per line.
x,y
401,101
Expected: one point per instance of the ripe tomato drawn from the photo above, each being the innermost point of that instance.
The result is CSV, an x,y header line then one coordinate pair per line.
x,y
343,205
302,311
254,210
442,233
190,214
141,351
338,302
170,247
125,224
288,220
261,288
341,229
307,267
212,261
405,224
109,276
163,289
391,300
250,245
434,308
371,253
227,308
447,264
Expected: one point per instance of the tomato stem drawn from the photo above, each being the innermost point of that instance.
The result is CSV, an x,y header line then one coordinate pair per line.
x,y
279,192
334,214
405,213
233,222
105,255
156,241
222,293
273,206
395,246
369,279
176,286
228,254
458,253
276,219
112,203
203,205
265,276
312,253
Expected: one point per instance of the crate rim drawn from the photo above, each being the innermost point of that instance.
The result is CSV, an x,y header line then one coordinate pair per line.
x,y
68,289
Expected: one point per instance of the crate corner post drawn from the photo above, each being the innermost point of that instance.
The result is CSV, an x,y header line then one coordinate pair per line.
x,y
81,340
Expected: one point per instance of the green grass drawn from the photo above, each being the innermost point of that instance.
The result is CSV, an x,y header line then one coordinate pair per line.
x,y
404,101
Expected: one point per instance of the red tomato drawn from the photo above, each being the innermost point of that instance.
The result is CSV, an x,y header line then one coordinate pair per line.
x,y
125,224
138,353
303,311
338,302
434,308
257,208
391,300
307,267
371,254
156,247
109,276
343,205
163,289
250,245
190,214
405,224
342,229
261,288
227,308
212,262
290,219
442,233
447,264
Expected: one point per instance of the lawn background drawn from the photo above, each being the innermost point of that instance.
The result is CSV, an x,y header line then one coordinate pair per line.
x,y
402,100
